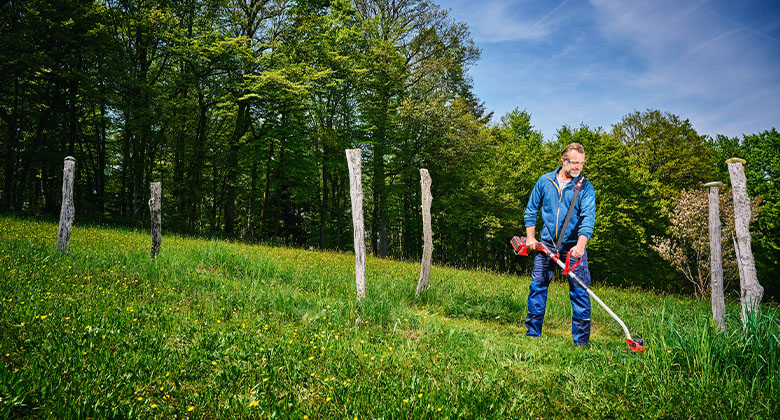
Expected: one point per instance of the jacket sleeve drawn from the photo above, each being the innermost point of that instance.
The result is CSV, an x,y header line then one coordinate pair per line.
x,y
533,204
587,211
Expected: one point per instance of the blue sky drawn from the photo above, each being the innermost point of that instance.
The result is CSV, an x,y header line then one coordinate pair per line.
x,y
716,63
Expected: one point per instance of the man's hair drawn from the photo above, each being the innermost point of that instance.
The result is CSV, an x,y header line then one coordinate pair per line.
x,y
572,146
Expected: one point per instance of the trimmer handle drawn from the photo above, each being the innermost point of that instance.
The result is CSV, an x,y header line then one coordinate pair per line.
x,y
520,246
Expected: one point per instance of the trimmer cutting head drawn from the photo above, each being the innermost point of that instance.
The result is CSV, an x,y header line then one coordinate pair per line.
x,y
636,344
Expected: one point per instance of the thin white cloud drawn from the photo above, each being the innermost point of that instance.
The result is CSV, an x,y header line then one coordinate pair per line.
x,y
771,38
693,56
505,21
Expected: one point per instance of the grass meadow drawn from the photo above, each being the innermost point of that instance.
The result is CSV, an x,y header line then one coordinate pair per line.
x,y
221,330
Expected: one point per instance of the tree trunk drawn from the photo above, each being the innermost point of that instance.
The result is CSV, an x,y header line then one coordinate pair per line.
x,y
155,208
253,201
716,265
11,150
356,194
68,211
196,167
100,172
324,195
267,189
339,215
241,127
751,291
124,207
425,270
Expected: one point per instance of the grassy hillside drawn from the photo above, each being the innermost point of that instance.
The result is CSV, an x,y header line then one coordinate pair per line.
x,y
223,330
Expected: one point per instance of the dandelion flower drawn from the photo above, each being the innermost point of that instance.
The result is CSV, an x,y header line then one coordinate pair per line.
x,y
254,403
419,395
213,363
140,398
191,408
154,405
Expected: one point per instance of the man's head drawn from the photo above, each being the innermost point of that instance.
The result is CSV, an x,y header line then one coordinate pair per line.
x,y
573,159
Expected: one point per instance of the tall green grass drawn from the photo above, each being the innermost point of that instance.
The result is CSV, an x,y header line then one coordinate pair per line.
x,y
214,329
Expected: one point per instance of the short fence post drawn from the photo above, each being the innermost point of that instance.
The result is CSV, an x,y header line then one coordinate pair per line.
x,y
751,291
716,264
155,208
356,195
68,210
425,270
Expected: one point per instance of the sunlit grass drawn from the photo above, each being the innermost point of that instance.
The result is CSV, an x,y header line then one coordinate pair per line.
x,y
214,329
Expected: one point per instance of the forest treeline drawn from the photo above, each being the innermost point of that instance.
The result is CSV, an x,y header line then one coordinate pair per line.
x,y
243,110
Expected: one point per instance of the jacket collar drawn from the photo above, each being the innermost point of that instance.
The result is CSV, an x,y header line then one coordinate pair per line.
x,y
552,176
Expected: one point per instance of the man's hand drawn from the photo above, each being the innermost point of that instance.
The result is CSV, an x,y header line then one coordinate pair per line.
x,y
530,237
579,250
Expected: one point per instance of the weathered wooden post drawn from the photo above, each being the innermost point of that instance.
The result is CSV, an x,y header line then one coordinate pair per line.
x,y
356,195
751,291
425,270
716,264
155,208
68,211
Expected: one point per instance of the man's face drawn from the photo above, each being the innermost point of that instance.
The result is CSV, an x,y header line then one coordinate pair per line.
x,y
573,163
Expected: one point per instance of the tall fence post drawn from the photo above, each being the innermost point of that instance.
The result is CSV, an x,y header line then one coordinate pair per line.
x,y
356,196
716,263
68,210
425,269
155,208
751,291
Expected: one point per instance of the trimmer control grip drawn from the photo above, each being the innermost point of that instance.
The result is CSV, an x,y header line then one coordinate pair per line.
x,y
519,245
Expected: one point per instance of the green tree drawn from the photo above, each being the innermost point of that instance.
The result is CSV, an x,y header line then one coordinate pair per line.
x,y
668,148
408,48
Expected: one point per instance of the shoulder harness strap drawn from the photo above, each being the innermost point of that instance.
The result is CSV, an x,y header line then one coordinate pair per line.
x,y
578,182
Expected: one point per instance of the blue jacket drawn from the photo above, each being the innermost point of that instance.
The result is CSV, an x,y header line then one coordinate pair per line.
x,y
554,202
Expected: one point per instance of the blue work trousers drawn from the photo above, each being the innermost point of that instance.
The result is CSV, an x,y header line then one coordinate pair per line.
x,y
544,267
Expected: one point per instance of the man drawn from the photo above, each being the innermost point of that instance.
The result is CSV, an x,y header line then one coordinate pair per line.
x,y
552,195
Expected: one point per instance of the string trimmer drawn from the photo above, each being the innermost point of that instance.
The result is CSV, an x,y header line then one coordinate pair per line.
x,y
635,344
